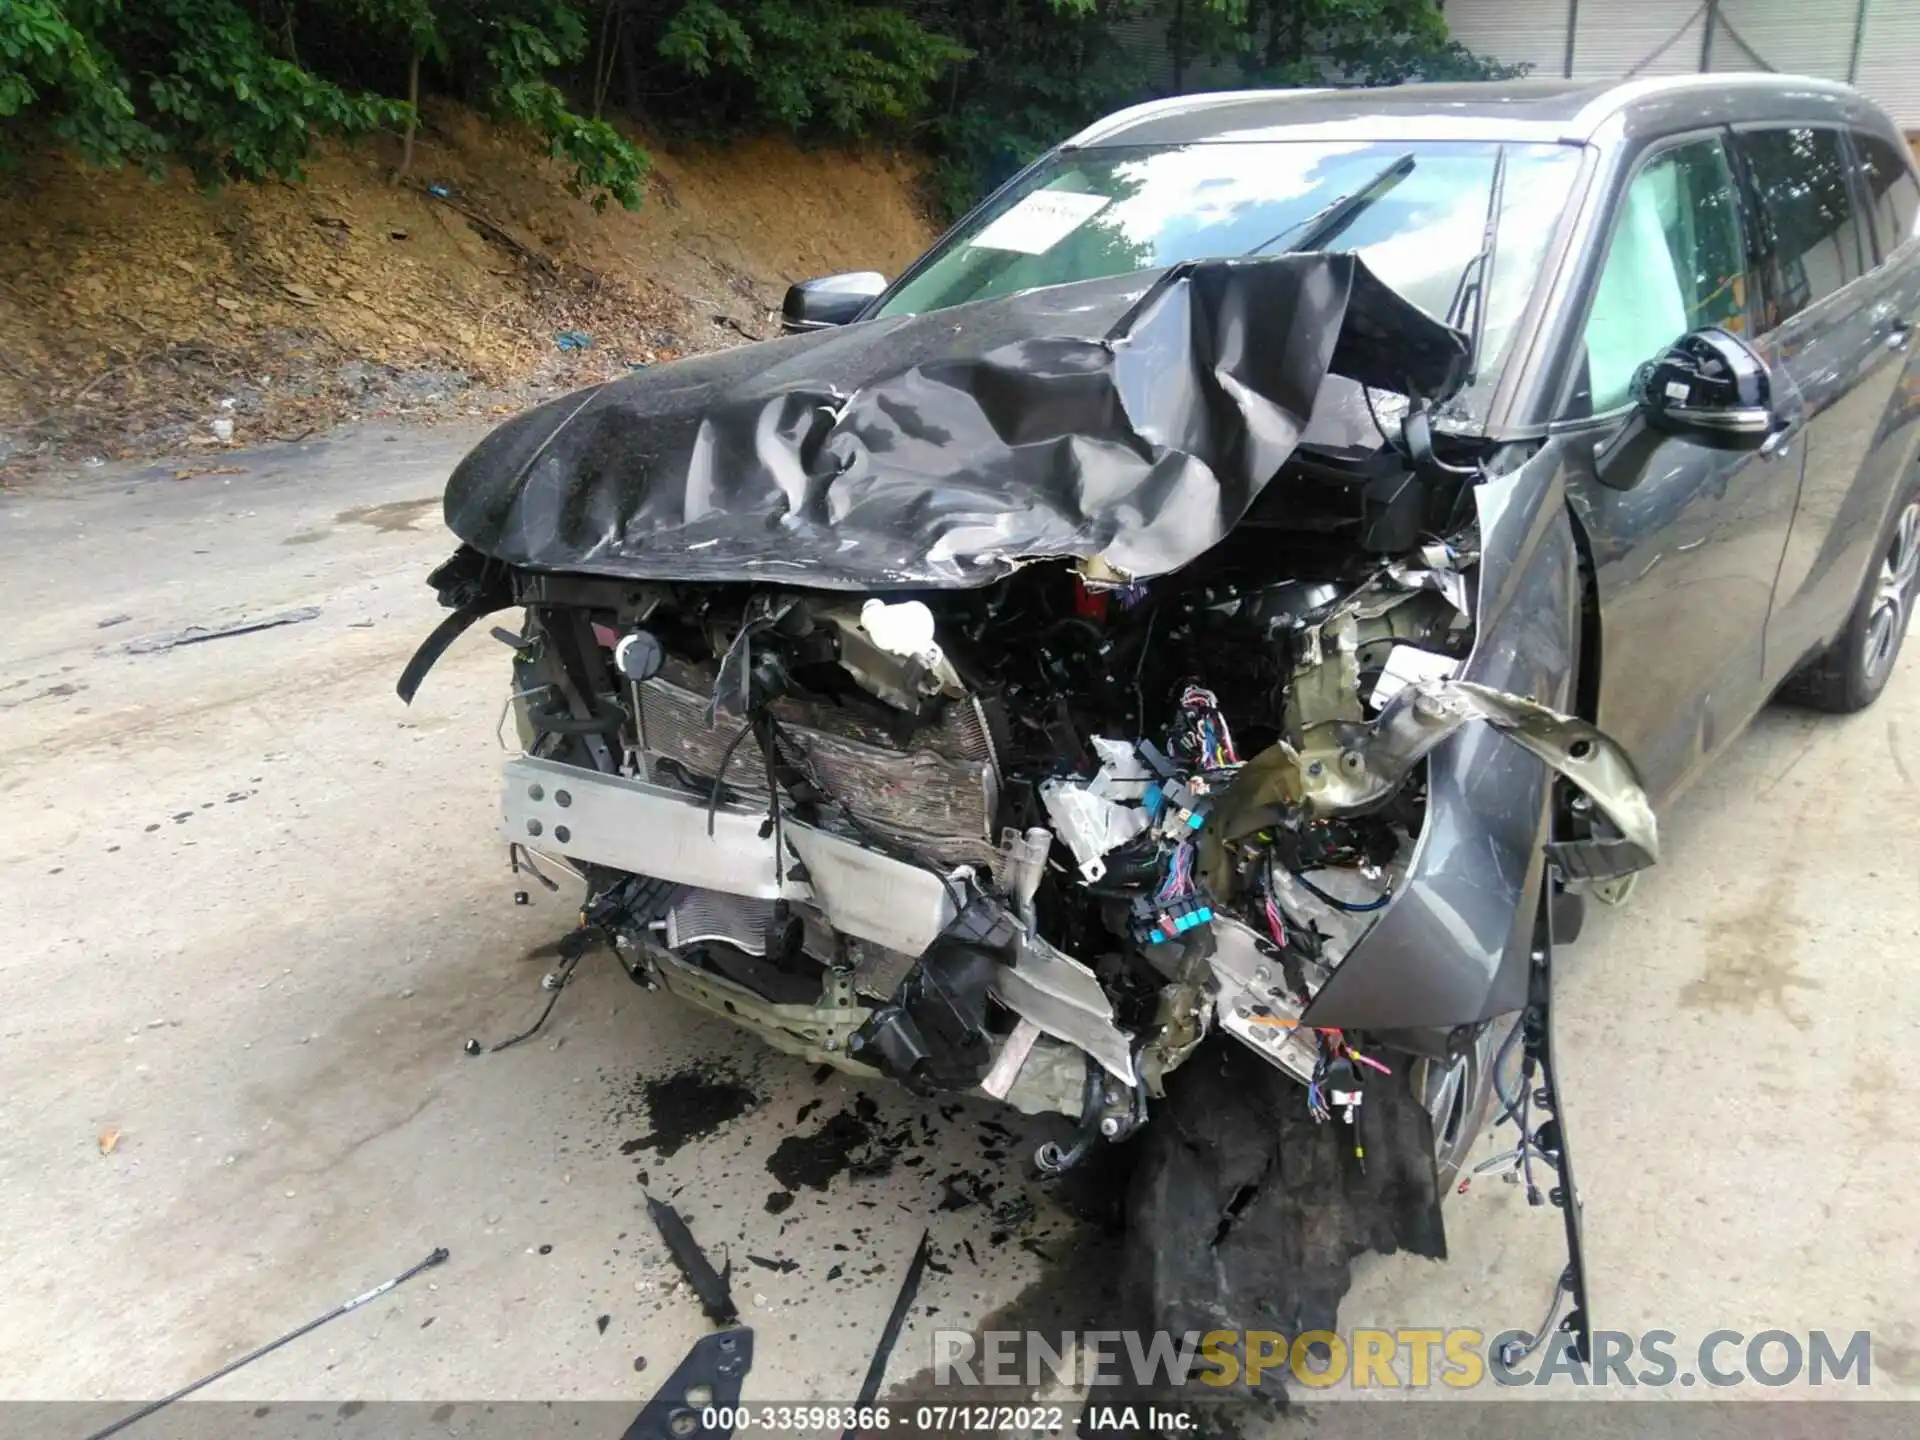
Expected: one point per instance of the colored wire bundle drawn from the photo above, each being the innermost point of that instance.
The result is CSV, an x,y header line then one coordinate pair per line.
x,y
1332,1044
1213,740
1179,879
1276,926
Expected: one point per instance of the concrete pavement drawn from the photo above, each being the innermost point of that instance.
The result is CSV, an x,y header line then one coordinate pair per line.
x,y
254,906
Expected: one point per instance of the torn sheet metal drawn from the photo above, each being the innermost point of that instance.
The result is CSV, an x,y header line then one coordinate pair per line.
x,y
1440,568
1066,1000
1345,768
1253,1003
648,830
1407,665
1453,947
1127,422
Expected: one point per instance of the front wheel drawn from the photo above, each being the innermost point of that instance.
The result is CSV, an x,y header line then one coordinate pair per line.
x,y
1850,674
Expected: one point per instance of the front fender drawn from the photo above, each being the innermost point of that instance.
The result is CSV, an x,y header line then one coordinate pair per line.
x,y
1452,946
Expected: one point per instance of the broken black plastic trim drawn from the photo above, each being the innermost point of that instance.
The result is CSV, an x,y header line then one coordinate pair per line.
x,y
704,1387
1130,421
473,587
709,1285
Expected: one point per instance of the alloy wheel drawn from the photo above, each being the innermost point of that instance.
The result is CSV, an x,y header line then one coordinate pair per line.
x,y
1893,594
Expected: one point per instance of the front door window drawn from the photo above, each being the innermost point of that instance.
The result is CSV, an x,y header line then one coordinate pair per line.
x,y
1675,263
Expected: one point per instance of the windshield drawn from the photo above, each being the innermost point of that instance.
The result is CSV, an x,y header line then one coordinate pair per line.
x,y
1416,211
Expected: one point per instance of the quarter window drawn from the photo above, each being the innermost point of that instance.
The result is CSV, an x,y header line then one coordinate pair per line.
x,y
1893,196
1811,243
1675,263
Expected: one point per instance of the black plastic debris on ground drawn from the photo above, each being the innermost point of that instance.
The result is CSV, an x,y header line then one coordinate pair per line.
x,y
714,1369
688,1105
960,1190
896,1318
708,1284
847,1142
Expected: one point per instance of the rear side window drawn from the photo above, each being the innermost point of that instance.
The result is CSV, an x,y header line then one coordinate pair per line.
x,y
1675,263
1811,243
1889,184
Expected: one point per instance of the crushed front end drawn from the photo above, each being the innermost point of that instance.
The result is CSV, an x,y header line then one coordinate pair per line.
x,y
1035,840
1013,713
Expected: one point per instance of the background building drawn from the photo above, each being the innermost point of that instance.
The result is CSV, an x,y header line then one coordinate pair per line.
x,y
1874,44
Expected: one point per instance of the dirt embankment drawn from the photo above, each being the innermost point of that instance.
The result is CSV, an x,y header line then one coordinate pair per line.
x,y
136,318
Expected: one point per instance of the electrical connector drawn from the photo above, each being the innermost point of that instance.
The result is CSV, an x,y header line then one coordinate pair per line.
x,y
1175,819
1157,922
1156,762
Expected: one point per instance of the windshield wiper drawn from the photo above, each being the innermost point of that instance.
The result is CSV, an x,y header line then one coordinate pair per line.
x,y
1472,287
1327,222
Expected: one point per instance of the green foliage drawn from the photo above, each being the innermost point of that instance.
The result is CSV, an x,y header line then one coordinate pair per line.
x,y
518,49
46,60
187,80
826,65
238,89
514,48
220,87
217,98
1044,68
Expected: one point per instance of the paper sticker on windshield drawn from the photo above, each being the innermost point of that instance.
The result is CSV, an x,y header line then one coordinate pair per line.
x,y
1041,221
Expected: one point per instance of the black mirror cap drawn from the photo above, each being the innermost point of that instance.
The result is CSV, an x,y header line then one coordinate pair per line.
x,y
1710,387
830,299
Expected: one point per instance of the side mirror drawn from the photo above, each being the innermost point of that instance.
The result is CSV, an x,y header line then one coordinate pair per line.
x,y
830,299
1709,387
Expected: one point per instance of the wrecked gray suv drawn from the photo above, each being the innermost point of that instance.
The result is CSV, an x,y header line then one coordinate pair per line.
x,y
1181,655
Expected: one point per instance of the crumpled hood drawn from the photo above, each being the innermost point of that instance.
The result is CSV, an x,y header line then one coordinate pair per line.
x,y
1128,421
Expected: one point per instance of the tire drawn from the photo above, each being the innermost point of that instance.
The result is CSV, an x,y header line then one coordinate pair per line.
x,y
1850,673
1458,1094
1245,1214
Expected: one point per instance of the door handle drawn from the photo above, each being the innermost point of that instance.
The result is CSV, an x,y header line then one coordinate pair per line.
x,y
1898,335
1779,440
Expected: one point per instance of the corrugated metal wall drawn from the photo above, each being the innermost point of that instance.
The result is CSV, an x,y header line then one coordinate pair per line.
x,y
1636,37
1614,39
1799,39
1534,34
1889,68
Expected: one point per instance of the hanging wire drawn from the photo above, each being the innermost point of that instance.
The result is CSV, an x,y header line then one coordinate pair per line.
x,y
1349,906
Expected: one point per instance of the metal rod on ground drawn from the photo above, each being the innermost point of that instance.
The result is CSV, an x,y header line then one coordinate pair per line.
x,y
902,1303
354,1304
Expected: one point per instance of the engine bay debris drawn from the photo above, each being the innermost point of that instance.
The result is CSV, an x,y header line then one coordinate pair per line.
x,y
999,700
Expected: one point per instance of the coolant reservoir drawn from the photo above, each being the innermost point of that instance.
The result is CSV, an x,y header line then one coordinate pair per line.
x,y
903,628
